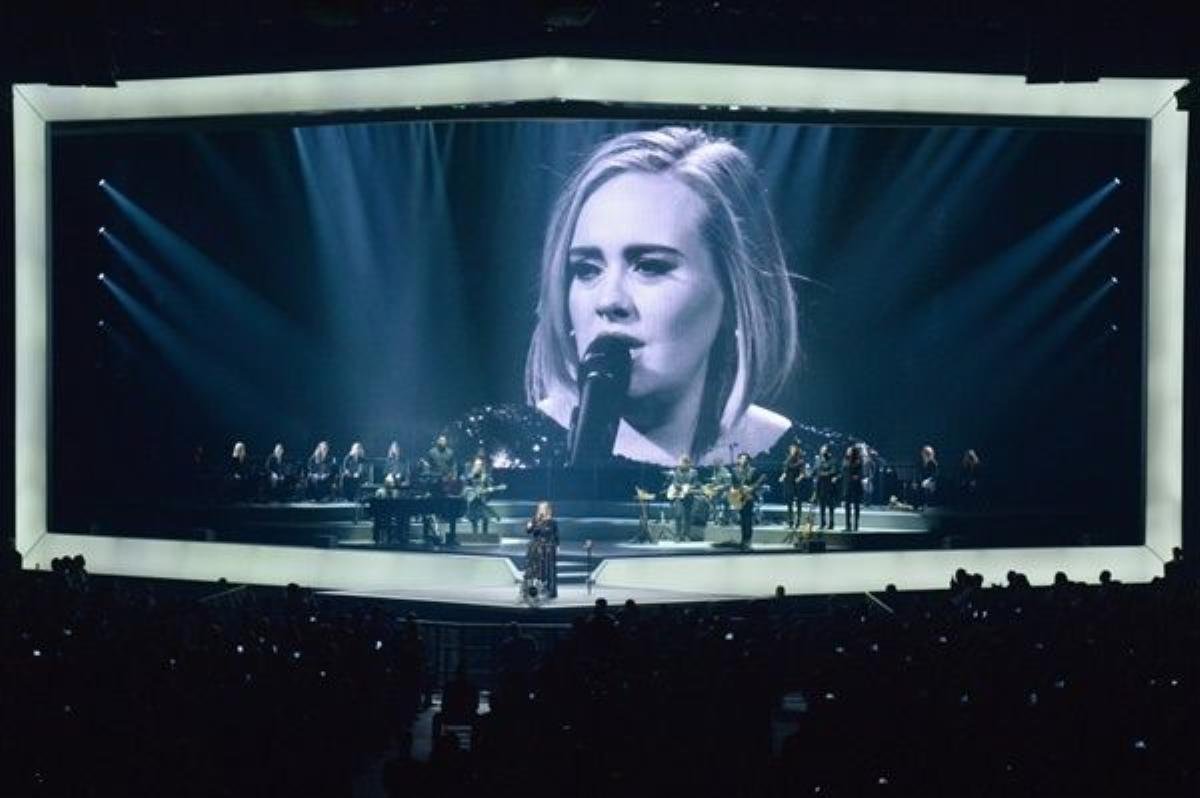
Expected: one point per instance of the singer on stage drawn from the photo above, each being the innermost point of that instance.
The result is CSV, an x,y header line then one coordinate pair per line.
x,y
662,251
542,554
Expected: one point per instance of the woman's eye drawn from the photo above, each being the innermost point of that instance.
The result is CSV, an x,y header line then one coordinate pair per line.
x,y
654,266
584,270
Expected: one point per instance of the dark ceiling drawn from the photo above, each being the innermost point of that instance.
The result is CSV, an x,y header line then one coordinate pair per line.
x,y
97,42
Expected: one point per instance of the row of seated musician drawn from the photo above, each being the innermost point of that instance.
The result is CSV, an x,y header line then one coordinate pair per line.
x,y
322,476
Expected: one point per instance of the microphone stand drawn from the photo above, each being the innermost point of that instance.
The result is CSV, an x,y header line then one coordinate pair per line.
x,y
587,547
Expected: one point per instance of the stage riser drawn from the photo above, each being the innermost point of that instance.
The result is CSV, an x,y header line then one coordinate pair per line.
x,y
513,516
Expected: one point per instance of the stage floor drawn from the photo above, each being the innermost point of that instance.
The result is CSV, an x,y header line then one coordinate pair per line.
x,y
610,526
570,597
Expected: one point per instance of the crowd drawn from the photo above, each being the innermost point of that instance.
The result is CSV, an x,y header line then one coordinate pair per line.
x,y
1070,689
121,688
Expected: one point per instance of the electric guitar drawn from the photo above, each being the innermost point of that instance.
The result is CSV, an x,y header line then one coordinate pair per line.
x,y
472,493
680,492
739,495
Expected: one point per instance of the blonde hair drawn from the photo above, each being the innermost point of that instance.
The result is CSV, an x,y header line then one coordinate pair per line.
x,y
757,344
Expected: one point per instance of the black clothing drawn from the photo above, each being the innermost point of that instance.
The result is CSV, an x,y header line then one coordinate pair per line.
x,y
441,469
968,485
542,554
531,439
354,468
852,491
239,479
442,464
686,482
745,477
276,477
827,475
478,510
928,489
398,469
793,476
318,477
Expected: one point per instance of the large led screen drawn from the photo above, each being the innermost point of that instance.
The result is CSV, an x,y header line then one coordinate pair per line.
x,y
956,283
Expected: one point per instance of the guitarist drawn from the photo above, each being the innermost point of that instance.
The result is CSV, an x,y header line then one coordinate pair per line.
x,y
477,490
683,482
745,484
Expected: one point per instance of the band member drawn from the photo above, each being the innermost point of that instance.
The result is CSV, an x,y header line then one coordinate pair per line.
x,y
276,474
745,481
827,477
393,521
929,477
871,475
852,486
968,479
542,554
396,470
440,460
239,474
441,469
354,469
683,482
719,484
792,475
479,487
318,473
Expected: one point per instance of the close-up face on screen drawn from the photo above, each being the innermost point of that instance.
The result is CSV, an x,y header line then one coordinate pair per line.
x,y
966,289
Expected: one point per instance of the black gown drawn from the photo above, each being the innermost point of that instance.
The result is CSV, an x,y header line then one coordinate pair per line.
x,y
542,554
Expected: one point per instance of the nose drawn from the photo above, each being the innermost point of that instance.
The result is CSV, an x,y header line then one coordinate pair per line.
x,y
613,300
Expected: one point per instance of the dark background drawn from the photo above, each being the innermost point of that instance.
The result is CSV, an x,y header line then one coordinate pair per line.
x,y
375,280
97,43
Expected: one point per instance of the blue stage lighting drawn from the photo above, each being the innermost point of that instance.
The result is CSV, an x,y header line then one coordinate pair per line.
x,y
1116,181
1113,327
101,230
1113,280
100,276
101,183
1116,231
100,323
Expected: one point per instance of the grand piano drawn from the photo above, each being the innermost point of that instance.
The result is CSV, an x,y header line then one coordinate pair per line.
x,y
392,511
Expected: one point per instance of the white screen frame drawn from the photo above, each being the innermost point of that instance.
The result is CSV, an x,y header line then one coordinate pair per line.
x,y
37,106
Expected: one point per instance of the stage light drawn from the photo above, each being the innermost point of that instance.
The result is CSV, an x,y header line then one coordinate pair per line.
x,y
735,108
1113,280
101,231
102,182
1116,181
100,324
1113,327
100,276
1116,231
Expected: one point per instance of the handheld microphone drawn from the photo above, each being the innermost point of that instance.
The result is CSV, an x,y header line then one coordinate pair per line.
x,y
603,382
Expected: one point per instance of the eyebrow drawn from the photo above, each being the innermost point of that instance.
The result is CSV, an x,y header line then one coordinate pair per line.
x,y
631,252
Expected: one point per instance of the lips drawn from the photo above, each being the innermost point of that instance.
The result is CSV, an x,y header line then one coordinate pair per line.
x,y
629,340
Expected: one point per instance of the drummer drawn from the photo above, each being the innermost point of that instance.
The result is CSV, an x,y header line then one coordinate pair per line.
x,y
718,488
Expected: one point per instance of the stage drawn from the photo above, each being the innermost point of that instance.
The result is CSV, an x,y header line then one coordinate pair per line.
x,y
611,526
